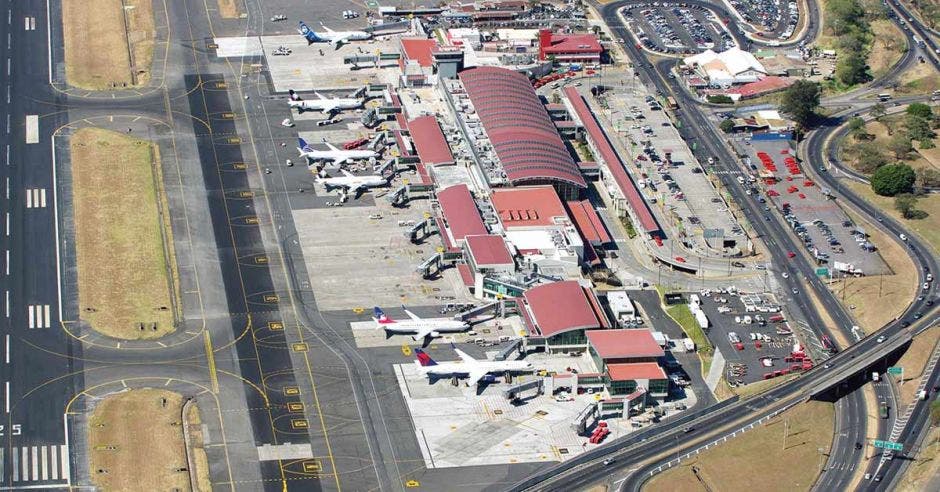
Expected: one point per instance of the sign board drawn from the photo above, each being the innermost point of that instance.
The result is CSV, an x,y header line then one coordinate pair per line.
x,y
897,371
822,272
893,446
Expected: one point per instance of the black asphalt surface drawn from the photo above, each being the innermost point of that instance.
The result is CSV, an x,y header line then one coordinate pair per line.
x,y
41,365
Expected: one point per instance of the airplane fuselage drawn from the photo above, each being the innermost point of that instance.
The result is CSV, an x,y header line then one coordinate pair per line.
x,y
442,325
464,368
337,155
326,104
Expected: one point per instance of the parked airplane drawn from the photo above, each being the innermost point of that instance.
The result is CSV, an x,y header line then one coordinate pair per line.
x,y
326,105
473,368
335,38
421,328
337,156
351,183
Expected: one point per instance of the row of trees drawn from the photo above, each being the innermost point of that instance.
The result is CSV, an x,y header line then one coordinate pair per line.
x,y
848,21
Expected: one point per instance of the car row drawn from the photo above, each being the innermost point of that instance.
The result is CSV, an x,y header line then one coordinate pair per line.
x,y
679,29
771,15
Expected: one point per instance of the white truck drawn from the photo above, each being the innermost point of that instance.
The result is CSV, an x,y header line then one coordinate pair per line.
x,y
701,319
689,344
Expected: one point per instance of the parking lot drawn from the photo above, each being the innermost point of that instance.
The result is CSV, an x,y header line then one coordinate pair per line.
x,y
671,178
747,331
777,19
675,29
827,233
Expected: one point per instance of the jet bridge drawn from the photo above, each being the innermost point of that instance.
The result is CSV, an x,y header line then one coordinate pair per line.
x,y
431,266
584,419
497,308
514,346
398,197
418,232
516,391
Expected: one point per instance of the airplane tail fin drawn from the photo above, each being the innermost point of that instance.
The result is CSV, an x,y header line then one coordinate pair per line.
x,y
380,317
424,359
293,95
308,33
302,145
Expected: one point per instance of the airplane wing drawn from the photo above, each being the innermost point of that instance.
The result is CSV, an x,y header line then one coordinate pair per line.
x,y
422,333
411,315
320,96
327,29
475,376
331,146
339,41
464,357
348,175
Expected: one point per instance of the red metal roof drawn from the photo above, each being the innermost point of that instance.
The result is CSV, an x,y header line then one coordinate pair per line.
x,y
621,176
489,250
767,84
460,212
419,49
588,223
429,140
634,371
624,344
465,274
517,124
527,206
572,43
563,306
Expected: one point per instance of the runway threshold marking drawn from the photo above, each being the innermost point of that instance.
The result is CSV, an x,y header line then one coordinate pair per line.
x,y
210,357
32,128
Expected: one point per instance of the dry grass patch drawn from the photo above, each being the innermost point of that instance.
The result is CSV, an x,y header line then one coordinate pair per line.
x,y
878,299
926,465
135,442
914,360
107,45
928,228
759,387
758,459
887,47
922,78
231,9
126,268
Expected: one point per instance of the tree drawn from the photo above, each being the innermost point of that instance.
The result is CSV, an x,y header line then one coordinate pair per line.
x,y
900,144
727,125
857,128
720,99
928,177
870,157
919,110
893,179
878,111
843,15
852,68
919,129
800,101
906,203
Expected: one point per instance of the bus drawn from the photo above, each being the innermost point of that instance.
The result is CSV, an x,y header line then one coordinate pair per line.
x,y
884,96
671,103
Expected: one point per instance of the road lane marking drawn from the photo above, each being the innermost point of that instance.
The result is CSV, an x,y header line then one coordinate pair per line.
x,y
8,187
32,319
7,304
29,23
9,66
35,462
6,350
54,451
45,462
45,316
32,128
6,396
35,198
64,457
16,465
8,154
8,262
8,223
25,452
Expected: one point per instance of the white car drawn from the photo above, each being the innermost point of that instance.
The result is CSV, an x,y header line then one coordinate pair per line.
x,y
563,397
785,275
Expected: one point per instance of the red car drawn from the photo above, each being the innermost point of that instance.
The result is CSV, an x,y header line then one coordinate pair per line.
x,y
790,254
680,259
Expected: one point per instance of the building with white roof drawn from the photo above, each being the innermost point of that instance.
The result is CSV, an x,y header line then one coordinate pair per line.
x,y
733,66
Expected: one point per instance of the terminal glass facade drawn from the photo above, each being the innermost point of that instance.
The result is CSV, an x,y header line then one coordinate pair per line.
x,y
574,337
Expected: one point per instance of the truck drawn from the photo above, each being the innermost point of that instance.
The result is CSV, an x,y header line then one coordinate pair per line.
x,y
701,319
846,268
689,344
883,410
